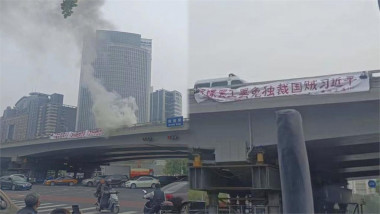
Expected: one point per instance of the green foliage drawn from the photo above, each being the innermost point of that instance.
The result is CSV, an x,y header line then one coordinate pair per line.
x,y
196,195
176,167
67,7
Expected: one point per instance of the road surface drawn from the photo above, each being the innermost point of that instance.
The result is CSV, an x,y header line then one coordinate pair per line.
x,y
131,201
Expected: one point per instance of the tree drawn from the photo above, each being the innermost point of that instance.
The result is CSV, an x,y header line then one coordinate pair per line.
x,y
67,7
176,167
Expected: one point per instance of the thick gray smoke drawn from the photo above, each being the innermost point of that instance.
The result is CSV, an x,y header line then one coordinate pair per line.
x,y
40,29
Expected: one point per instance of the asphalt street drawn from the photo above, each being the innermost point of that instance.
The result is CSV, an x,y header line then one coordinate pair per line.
x,y
131,201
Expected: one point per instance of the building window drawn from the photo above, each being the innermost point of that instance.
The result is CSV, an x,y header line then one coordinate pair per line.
x,y
11,131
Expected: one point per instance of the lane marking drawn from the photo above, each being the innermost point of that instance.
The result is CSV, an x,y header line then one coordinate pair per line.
x,y
40,209
88,208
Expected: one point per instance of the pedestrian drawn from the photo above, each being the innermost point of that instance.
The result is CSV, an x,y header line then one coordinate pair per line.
x,y
32,202
60,211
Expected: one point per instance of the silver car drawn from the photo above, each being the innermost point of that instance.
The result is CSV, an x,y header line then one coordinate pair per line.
x,y
143,181
92,181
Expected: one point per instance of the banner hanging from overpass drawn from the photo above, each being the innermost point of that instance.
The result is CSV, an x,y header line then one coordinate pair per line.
x,y
334,84
82,134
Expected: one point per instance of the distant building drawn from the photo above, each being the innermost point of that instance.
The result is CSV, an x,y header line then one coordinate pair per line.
x,y
361,187
35,116
123,65
165,104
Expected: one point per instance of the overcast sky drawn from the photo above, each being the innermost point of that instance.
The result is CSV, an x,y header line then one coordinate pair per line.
x,y
57,70
272,40
257,40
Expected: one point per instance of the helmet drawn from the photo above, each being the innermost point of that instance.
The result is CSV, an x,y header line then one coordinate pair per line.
x,y
102,181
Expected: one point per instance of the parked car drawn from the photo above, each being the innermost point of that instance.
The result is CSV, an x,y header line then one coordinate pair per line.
x,y
6,204
93,181
21,175
177,193
117,180
66,180
137,177
143,181
14,183
165,180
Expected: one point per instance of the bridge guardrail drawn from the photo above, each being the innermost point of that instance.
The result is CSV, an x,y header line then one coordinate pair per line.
x,y
138,125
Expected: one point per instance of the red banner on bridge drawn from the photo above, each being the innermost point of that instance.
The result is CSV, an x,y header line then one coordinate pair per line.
x,y
334,84
82,134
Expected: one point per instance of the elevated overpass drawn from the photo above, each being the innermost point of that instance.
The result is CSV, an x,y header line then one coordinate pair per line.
x,y
338,128
342,134
86,154
347,122
341,128
126,142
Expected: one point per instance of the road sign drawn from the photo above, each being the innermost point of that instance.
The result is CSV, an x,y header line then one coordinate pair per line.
x,y
372,183
174,121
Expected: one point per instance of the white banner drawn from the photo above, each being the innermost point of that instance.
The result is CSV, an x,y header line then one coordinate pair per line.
x,y
82,134
335,84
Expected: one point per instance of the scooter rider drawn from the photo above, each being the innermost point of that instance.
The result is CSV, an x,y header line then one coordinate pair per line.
x,y
100,189
158,198
105,194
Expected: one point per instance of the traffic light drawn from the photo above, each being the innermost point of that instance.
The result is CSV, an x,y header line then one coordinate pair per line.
x,y
172,137
67,7
147,138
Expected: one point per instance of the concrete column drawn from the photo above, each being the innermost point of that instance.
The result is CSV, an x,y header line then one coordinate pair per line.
x,y
297,195
213,202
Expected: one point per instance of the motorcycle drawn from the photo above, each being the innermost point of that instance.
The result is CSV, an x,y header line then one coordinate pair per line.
x,y
112,201
166,206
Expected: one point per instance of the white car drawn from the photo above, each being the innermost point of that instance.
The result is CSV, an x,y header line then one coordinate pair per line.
x,y
143,181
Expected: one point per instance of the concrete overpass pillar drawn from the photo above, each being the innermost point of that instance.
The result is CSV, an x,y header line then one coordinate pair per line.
x,y
297,194
213,201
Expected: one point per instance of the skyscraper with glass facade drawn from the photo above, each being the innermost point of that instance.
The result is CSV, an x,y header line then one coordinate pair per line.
x,y
123,65
165,104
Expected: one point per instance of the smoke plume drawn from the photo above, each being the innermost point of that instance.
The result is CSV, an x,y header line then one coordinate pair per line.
x,y
38,27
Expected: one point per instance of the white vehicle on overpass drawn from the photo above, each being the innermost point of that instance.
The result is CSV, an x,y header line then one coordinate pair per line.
x,y
225,82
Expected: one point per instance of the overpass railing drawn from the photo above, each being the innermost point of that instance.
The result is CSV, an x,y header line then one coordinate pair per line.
x,y
134,127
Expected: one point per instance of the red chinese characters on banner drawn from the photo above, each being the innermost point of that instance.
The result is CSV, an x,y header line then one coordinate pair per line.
x,y
345,83
255,92
203,91
211,93
225,93
268,91
350,79
310,85
243,93
324,84
296,87
282,89
336,82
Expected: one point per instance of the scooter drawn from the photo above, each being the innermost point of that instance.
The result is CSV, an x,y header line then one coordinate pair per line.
x,y
112,203
166,206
